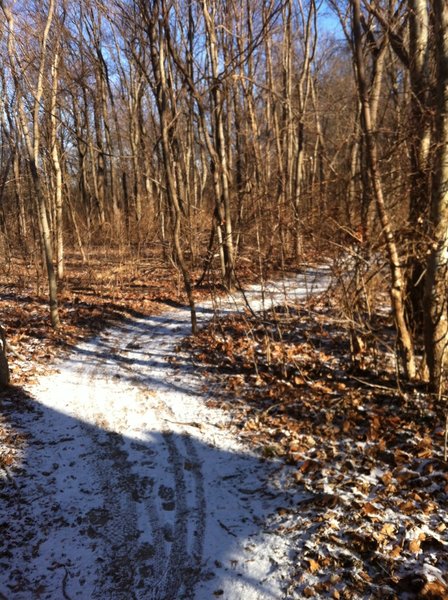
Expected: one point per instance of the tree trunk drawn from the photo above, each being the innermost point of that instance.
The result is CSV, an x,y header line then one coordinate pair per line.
x,y
436,296
224,208
33,147
58,205
420,140
397,281
167,119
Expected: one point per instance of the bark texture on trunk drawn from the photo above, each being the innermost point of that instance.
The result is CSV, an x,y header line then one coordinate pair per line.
x,y
436,293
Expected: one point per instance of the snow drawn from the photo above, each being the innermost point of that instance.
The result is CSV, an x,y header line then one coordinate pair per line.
x,y
130,486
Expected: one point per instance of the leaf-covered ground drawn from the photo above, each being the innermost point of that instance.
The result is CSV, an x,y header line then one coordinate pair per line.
x,y
89,299
367,452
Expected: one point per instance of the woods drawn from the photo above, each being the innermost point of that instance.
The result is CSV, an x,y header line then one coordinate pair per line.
x,y
224,303
222,134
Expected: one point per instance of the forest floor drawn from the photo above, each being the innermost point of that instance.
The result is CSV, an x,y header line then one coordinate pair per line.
x,y
253,461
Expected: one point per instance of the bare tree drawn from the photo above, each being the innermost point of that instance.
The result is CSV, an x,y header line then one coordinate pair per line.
x,y
397,291
164,94
30,126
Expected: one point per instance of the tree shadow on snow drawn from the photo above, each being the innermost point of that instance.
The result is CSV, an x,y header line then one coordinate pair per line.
x,y
139,360
90,513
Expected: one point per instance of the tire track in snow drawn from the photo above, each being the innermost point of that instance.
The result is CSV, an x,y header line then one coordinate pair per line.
x,y
119,536
181,567
175,571
136,511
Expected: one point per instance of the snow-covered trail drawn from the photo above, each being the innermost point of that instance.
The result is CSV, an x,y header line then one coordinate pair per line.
x,y
131,487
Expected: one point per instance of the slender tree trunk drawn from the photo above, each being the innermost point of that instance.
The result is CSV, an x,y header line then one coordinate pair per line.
x,y
222,167
436,293
420,141
397,280
58,203
33,146
167,118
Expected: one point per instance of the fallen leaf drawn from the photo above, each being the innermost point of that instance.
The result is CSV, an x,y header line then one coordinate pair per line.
x,y
369,509
386,478
388,529
313,565
435,590
395,552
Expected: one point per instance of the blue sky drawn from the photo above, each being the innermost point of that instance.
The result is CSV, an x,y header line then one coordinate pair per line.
x,y
328,21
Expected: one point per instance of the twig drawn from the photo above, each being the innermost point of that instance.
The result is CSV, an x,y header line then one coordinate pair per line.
x,y
187,423
64,584
55,566
267,410
378,386
445,448
229,531
442,384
